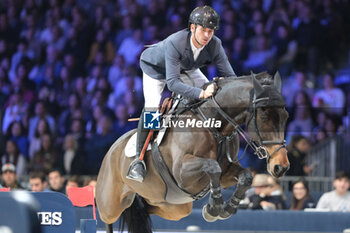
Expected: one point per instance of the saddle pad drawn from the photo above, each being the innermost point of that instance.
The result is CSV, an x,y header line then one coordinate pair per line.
x,y
130,148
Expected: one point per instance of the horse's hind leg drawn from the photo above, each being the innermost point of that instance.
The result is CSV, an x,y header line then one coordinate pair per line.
x,y
109,228
215,205
244,182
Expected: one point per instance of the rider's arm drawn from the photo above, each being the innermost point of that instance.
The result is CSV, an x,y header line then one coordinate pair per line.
x,y
172,67
221,60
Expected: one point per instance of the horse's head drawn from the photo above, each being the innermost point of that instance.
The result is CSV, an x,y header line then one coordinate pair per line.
x,y
266,123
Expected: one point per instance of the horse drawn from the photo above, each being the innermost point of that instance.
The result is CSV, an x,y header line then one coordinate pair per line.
x,y
200,161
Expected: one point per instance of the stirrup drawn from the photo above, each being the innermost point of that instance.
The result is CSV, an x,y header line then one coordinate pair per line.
x,y
133,176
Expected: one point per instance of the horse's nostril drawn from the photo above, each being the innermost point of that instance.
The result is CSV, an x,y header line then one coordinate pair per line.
x,y
280,170
277,169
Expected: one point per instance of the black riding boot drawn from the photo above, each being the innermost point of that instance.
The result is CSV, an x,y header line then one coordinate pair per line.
x,y
137,169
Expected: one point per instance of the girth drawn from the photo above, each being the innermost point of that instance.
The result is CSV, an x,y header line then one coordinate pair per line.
x,y
173,193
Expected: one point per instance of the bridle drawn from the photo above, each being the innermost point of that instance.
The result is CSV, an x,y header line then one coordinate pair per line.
x,y
257,146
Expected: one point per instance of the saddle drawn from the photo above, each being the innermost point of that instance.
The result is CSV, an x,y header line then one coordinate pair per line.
x,y
166,105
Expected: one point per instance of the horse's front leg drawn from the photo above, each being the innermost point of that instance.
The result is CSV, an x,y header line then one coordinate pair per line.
x,y
194,173
244,183
215,206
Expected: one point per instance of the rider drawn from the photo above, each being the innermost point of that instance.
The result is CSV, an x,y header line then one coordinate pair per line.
x,y
179,56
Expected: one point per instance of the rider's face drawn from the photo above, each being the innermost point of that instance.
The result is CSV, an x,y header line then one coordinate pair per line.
x,y
201,35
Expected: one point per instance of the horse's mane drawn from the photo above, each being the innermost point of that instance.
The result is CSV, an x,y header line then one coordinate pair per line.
x,y
263,78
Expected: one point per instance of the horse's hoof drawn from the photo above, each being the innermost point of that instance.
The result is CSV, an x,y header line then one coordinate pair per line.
x,y
224,215
207,217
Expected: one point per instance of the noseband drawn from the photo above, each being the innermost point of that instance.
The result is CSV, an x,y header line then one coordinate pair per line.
x,y
257,146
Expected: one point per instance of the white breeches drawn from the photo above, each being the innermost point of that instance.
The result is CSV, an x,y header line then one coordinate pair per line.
x,y
153,88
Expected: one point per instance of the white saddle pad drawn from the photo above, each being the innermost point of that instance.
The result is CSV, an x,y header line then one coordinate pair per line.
x,y
130,148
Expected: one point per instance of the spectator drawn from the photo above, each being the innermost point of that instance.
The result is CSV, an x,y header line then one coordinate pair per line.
x,y
51,97
133,102
92,119
5,87
101,43
130,82
77,130
260,58
63,86
52,61
330,98
301,99
17,109
261,199
116,70
9,176
40,113
98,145
73,181
16,133
37,182
297,82
46,157
77,49
131,47
108,28
22,51
331,126
286,50
125,32
319,132
35,144
15,157
122,125
297,152
80,87
307,34
57,181
32,34
338,199
258,33
301,197
239,55
72,158
92,181
276,193
66,117
302,122
58,39
23,84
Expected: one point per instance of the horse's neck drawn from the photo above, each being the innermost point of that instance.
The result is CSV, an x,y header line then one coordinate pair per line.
x,y
233,99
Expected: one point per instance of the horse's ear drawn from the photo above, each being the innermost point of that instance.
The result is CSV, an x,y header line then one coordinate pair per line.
x,y
277,81
258,89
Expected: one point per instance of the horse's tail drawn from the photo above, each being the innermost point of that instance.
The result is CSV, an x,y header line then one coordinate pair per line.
x,y
109,228
136,217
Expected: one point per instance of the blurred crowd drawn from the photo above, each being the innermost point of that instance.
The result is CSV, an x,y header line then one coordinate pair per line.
x,y
267,193
70,76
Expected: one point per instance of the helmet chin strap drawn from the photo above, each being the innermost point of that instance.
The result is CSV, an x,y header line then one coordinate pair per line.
x,y
194,35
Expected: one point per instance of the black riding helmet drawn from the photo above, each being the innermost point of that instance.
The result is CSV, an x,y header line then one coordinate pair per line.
x,y
205,16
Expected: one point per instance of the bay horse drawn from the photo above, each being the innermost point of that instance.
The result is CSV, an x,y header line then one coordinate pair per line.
x,y
195,158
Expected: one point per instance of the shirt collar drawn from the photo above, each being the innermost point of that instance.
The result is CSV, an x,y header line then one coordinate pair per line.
x,y
194,48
